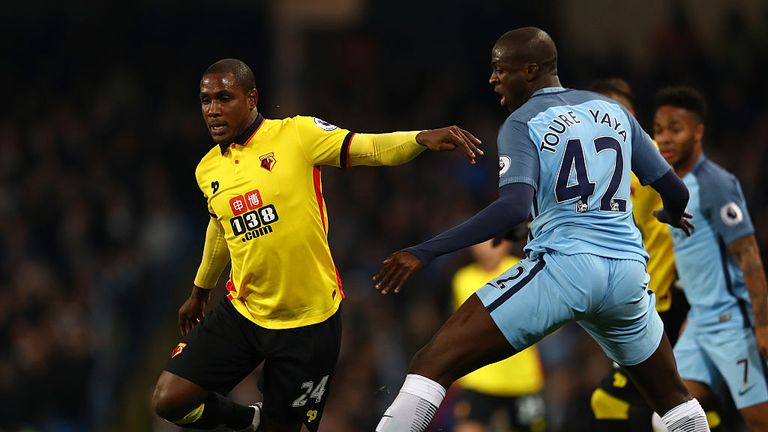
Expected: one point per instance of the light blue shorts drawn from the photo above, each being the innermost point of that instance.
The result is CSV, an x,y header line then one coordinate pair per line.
x,y
729,355
608,297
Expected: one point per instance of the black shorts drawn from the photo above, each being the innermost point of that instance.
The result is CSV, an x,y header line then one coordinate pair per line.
x,y
526,413
298,363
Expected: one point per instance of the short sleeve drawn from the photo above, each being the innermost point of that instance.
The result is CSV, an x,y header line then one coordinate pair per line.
x,y
518,157
322,142
723,204
647,162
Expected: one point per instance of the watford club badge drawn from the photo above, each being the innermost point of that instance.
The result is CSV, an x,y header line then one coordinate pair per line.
x,y
268,161
179,348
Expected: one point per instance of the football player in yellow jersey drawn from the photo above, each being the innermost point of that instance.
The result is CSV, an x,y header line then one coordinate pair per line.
x,y
512,385
262,184
616,404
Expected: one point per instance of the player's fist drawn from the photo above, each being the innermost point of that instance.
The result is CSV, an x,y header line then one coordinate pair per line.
x,y
684,224
396,271
191,312
451,138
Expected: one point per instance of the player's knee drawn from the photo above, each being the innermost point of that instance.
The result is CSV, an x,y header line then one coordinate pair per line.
x,y
165,403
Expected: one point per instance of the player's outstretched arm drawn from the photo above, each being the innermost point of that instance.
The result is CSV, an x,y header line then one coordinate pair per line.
x,y
675,196
397,148
747,254
510,209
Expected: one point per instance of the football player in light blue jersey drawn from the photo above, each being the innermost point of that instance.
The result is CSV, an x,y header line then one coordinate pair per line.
x,y
726,337
565,156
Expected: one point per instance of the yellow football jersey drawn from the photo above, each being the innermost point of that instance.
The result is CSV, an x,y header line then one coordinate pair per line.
x,y
518,375
657,241
267,194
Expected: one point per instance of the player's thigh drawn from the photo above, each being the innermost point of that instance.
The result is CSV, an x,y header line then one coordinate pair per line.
x,y
526,302
736,356
625,322
468,340
756,417
694,363
217,353
298,371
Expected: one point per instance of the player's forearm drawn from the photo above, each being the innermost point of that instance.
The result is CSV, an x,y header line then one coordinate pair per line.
x,y
673,193
748,256
511,209
395,148
215,256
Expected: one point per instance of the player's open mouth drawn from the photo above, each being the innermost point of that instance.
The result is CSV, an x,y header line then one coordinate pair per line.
x,y
667,154
217,128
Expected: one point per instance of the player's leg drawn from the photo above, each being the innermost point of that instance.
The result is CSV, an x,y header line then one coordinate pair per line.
x,y
467,341
509,313
209,362
297,374
756,417
630,331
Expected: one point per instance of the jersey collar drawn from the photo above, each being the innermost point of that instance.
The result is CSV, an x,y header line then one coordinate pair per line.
x,y
548,90
247,134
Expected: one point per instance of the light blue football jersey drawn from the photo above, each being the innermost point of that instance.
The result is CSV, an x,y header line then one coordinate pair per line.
x,y
576,148
711,277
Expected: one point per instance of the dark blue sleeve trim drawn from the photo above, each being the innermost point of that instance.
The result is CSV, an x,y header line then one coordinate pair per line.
x,y
511,208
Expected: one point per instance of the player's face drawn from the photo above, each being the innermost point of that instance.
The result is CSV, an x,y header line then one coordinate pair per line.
x,y
227,107
678,133
507,79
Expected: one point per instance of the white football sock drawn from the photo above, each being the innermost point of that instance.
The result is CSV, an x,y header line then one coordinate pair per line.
x,y
414,407
686,417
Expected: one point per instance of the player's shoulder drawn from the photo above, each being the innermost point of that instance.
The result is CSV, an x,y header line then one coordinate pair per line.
x,y
716,183
310,124
709,174
208,161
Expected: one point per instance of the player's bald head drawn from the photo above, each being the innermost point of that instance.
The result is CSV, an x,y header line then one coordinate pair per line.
x,y
237,68
528,45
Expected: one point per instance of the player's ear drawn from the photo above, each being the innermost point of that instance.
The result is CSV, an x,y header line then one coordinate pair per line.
x,y
253,98
699,132
531,71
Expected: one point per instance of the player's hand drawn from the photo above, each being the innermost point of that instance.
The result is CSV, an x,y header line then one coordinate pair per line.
x,y
450,138
397,269
761,334
684,224
191,312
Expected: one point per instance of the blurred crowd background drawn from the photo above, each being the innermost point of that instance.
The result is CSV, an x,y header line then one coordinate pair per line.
x,y
101,222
